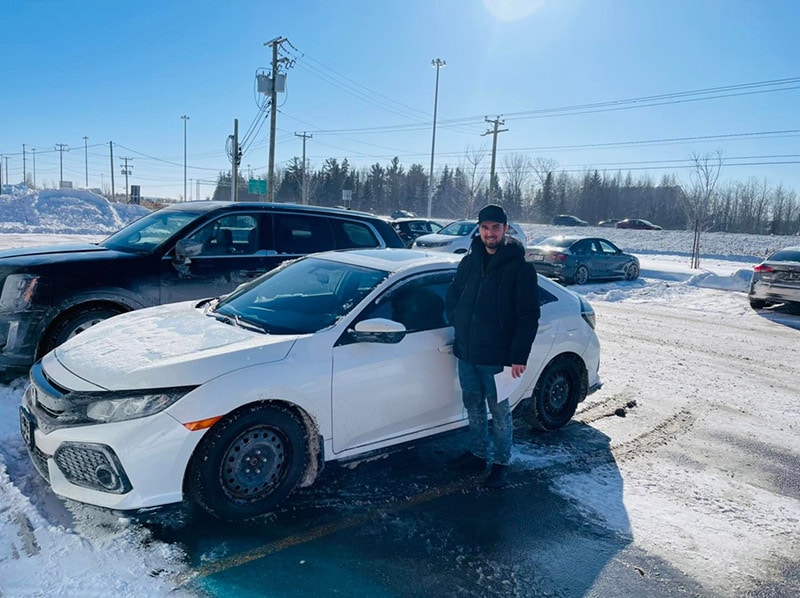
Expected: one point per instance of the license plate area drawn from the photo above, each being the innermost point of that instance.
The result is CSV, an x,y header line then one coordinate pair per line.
x,y
538,257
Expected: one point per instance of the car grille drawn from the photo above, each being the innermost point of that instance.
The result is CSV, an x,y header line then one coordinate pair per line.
x,y
92,466
39,460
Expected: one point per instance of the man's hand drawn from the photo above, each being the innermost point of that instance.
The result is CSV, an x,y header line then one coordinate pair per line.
x,y
517,370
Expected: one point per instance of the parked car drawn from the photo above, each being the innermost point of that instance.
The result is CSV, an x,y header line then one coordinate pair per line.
x,y
187,251
572,259
567,220
637,223
776,279
457,236
609,223
403,214
232,403
410,228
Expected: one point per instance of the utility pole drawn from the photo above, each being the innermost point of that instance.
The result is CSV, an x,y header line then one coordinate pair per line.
x,y
273,107
197,195
126,170
184,118
304,189
6,159
24,171
60,147
235,159
86,159
497,123
1,174
113,192
437,64
33,149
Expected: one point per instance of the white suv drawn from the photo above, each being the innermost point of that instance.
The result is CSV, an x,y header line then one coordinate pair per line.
x,y
232,403
457,236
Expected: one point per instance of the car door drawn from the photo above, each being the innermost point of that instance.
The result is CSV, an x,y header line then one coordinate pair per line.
x,y
614,258
231,253
385,392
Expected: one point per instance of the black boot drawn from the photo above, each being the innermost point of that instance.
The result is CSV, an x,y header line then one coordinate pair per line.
x,y
468,463
497,478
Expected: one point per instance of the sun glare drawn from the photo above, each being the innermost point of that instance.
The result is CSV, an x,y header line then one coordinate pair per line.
x,y
512,10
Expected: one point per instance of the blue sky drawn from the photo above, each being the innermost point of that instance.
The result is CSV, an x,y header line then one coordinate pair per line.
x,y
363,86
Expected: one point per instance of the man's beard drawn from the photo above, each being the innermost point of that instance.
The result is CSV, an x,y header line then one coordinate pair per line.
x,y
494,244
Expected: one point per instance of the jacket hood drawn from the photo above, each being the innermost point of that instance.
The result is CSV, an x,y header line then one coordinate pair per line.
x,y
161,347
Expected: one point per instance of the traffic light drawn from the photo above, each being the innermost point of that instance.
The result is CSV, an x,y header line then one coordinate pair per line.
x,y
238,155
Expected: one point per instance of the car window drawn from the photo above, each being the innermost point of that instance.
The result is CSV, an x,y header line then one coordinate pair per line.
x,y
581,247
300,234
352,235
785,255
417,303
459,229
546,296
149,232
234,234
607,247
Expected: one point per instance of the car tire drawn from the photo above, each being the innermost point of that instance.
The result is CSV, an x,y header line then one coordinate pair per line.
x,y
632,272
758,303
561,386
248,462
581,275
73,324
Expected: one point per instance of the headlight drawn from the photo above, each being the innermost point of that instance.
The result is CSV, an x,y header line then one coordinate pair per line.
x,y
123,408
17,291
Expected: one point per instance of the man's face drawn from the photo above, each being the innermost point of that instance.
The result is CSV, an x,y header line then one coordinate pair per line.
x,y
492,233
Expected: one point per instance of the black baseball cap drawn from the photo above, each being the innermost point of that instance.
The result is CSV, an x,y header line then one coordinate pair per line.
x,y
492,213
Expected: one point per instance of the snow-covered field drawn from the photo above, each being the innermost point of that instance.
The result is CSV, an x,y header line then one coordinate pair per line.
x,y
726,529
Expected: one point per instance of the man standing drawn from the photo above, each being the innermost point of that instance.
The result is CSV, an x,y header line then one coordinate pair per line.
x,y
493,304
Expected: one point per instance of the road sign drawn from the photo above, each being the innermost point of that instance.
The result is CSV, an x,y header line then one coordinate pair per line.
x,y
257,186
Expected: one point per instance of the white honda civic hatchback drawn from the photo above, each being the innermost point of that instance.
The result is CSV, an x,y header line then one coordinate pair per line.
x,y
232,403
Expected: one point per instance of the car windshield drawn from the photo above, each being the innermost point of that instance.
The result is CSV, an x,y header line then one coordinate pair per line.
x,y
150,231
460,228
557,242
301,297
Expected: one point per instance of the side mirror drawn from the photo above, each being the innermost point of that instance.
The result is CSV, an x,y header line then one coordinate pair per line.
x,y
186,248
378,330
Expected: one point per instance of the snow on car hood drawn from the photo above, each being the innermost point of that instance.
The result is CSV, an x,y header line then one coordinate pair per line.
x,y
160,347
40,250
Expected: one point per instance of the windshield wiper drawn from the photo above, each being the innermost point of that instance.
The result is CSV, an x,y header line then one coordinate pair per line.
x,y
235,320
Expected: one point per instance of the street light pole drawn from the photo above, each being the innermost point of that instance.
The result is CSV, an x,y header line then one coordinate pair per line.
x,y
184,118
437,64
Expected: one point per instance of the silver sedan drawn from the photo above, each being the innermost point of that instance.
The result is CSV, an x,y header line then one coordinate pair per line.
x,y
776,279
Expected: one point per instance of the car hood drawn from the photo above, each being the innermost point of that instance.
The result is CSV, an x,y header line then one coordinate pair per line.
x,y
45,250
437,238
160,347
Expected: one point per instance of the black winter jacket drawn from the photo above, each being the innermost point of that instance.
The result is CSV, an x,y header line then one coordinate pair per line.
x,y
495,312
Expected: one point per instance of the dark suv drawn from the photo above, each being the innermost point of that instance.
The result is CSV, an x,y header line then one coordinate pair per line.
x,y
187,251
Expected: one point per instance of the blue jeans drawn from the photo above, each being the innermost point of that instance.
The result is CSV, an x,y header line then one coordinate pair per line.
x,y
478,391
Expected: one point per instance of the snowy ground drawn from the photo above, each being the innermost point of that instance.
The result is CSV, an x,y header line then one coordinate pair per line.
x,y
686,498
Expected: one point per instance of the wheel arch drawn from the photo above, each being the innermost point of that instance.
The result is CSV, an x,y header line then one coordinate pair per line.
x,y
315,450
75,305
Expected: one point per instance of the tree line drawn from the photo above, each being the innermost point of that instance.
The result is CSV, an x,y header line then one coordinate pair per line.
x,y
535,190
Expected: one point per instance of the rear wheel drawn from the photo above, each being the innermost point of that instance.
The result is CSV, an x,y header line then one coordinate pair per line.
x,y
73,324
632,272
581,275
248,462
558,391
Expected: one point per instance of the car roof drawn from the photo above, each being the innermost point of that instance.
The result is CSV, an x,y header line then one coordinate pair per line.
x,y
210,206
393,260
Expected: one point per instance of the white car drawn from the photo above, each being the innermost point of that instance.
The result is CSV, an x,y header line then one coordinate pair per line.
x,y
232,403
457,236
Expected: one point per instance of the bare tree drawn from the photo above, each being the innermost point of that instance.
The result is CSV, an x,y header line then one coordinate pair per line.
x,y
542,167
697,201
469,187
517,169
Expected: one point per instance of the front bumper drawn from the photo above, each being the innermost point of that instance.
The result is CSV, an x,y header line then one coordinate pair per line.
x,y
19,336
122,466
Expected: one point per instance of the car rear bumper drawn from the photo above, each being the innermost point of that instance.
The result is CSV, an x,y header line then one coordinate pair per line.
x,y
776,292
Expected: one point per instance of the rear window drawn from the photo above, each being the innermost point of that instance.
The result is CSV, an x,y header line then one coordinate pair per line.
x,y
557,242
786,255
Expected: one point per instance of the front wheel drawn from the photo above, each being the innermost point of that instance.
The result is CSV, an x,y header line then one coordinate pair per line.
x,y
758,303
558,391
632,272
248,463
75,323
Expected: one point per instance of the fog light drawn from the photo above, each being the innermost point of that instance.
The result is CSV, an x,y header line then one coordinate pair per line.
x,y
91,465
